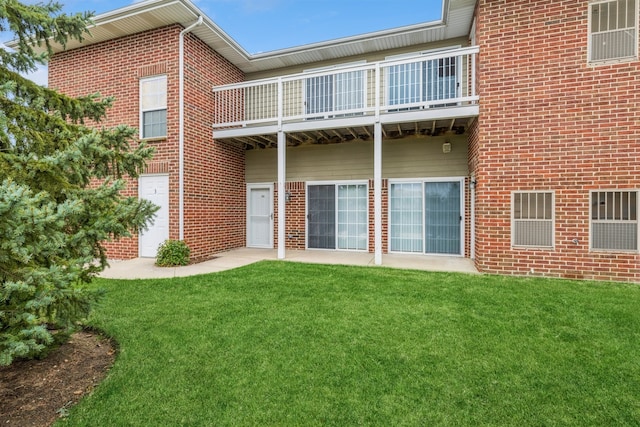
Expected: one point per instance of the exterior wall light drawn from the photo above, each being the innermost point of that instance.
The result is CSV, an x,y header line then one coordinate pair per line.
x,y
446,147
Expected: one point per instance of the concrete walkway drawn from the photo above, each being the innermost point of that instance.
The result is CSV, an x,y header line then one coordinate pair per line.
x,y
144,268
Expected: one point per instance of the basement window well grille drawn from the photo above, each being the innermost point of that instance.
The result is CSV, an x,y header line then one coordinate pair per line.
x,y
613,30
532,219
614,220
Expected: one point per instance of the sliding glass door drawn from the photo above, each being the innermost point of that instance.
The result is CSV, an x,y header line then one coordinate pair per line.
x,y
426,217
415,82
337,216
334,93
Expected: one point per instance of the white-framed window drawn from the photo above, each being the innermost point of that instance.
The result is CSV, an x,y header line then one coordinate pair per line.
x,y
614,220
613,30
532,219
153,107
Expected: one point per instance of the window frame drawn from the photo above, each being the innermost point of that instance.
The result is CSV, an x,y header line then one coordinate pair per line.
x,y
515,221
143,110
593,221
590,33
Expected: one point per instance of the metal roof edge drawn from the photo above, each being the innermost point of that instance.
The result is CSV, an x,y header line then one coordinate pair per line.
x,y
144,6
244,58
348,40
359,37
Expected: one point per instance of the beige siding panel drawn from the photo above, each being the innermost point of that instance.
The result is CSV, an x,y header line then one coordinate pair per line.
x,y
261,166
330,162
420,157
313,163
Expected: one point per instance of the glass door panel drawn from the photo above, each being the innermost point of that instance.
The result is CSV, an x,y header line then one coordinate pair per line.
x,y
352,217
441,79
319,94
404,83
349,91
442,217
321,217
406,217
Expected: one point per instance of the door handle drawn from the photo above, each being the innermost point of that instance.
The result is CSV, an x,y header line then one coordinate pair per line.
x,y
271,215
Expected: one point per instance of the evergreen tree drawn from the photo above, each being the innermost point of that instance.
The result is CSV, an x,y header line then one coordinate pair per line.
x,y
60,187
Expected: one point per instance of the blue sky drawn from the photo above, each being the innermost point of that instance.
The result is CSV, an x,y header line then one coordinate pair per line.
x,y
265,25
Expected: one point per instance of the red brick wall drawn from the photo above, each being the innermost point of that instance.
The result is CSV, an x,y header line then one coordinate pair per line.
x,y
466,194
214,188
113,68
214,173
295,210
548,121
385,217
474,152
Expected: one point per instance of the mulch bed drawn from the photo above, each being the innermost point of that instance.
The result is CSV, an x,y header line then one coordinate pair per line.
x,y
37,392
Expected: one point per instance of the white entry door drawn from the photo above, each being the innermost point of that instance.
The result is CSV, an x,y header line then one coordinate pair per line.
x,y
260,216
156,189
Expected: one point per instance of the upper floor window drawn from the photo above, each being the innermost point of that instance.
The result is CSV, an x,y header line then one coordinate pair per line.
x,y
613,30
532,219
614,220
153,107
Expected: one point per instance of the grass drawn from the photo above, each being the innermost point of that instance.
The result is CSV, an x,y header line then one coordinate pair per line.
x,y
280,343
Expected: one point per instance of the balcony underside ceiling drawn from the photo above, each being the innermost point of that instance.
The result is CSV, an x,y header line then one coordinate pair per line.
x,y
390,131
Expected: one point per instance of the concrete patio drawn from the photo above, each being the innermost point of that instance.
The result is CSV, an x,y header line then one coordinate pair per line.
x,y
144,268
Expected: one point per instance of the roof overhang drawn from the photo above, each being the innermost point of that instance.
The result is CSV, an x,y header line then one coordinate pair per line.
x,y
457,16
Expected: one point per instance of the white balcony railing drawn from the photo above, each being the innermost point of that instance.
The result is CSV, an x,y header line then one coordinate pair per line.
x,y
439,80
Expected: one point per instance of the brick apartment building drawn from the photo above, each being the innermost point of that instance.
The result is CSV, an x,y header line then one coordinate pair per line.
x,y
506,132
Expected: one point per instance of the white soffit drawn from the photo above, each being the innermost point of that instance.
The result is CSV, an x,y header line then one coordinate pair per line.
x,y
150,14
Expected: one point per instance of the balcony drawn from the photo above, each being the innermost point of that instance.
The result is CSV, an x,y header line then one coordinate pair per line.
x,y
425,94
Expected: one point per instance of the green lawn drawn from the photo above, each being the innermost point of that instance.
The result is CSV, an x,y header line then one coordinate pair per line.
x,y
279,343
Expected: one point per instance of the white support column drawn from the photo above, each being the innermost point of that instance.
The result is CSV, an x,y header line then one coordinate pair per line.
x,y
377,191
377,174
282,174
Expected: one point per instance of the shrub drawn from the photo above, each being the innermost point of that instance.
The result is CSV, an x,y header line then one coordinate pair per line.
x,y
172,253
